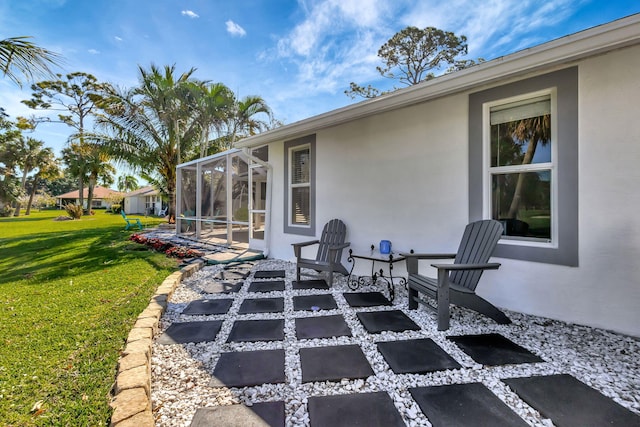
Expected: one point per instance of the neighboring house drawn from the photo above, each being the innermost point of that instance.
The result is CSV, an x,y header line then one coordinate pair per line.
x,y
100,199
143,201
415,166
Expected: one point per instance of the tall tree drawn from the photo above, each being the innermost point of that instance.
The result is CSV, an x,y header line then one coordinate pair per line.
x,y
98,169
11,151
75,96
21,58
249,116
47,168
413,55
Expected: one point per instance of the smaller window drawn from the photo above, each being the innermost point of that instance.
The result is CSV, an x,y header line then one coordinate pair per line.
x,y
520,168
300,186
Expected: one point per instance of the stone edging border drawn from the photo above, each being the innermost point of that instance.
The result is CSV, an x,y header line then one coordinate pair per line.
x,y
131,402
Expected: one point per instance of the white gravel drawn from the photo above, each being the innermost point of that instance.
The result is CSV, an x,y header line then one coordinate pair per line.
x,y
181,374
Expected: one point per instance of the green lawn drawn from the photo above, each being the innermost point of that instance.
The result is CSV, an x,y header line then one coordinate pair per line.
x,y
69,293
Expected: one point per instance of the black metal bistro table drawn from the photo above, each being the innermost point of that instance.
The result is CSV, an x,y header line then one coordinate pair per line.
x,y
375,256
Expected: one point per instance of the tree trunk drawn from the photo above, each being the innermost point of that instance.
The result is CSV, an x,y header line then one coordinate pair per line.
x,y
33,192
91,186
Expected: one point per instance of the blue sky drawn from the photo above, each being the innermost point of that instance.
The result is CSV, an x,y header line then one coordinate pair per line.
x,y
299,56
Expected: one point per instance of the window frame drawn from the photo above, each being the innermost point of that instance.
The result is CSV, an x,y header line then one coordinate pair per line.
x,y
489,170
564,250
289,147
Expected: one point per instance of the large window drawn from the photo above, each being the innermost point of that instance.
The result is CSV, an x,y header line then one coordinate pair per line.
x,y
523,165
520,174
300,200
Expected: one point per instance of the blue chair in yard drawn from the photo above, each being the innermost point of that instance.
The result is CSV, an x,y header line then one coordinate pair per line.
x,y
136,221
456,283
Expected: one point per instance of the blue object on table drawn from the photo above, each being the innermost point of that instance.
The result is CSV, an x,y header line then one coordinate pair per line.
x,y
385,247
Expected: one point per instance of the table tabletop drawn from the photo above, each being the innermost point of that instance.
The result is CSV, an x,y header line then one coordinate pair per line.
x,y
374,254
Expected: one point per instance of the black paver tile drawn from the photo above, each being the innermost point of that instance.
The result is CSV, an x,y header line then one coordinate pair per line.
x,y
362,409
416,356
267,286
314,302
262,305
568,402
494,349
470,404
334,363
180,333
393,320
259,414
310,284
269,274
366,299
229,275
322,327
221,287
249,368
257,330
208,306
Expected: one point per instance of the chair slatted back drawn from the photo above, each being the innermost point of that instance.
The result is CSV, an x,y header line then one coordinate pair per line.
x,y
333,233
478,243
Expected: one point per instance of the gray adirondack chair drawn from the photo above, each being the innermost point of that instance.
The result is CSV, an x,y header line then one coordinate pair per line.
x,y
330,246
456,283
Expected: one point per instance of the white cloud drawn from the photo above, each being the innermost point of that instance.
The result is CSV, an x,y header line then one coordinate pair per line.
x,y
118,39
93,51
190,14
235,29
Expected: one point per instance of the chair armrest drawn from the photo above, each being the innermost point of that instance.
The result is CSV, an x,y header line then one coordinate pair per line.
x,y
339,247
456,267
301,244
298,246
412,259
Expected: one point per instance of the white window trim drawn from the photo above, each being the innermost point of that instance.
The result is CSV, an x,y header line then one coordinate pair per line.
x,y
291,186
488,170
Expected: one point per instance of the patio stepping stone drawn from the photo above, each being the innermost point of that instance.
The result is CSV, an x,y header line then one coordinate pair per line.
x,y
494,349
568,402
362,409
393,320
221,287
470,404
417,356
267,286
249,368
310,284
322,327
259,414
208,306
366,299
180,333
262,305
269,274
314,302
257,330
334,363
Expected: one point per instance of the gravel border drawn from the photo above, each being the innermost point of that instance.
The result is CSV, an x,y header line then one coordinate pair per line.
x,y
180,374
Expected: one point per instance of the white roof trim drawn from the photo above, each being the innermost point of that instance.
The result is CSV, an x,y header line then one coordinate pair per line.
x,y
615,35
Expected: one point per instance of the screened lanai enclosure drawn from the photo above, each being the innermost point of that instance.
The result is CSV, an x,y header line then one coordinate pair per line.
x,y
224,199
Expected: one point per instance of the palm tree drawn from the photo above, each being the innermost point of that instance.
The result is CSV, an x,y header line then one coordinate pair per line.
x,y
246,120
150,127
74,157
31,149
98,168
127,183
21,58
212,104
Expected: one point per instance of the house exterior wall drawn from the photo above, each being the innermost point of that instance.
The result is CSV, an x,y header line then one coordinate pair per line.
x,y
403,176
134,205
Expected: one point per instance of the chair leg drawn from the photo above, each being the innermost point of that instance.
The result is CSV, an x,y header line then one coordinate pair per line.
x,y
330,278
443,300
413,295
297,273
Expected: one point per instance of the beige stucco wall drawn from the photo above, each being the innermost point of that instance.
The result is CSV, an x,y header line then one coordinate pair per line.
x,y
403,176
